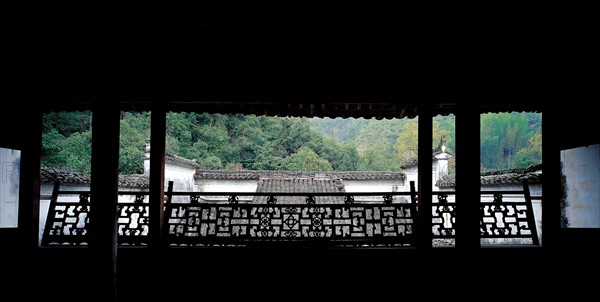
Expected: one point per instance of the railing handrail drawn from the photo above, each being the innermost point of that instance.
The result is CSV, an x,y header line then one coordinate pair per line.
x,y
187,193
141,205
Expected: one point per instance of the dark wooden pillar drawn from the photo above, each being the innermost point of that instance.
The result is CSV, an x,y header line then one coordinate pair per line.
x,y
29,195
104,189
157,167
552,178
468,183
424,170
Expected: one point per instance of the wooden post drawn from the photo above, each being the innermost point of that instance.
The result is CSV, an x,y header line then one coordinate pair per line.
x,y
157,168
416,214
530,215
51,211
167,214
29,183
424,174
551,179
103,210
468,182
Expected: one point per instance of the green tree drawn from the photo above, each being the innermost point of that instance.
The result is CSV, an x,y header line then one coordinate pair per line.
x,y
72,153
210,163
172,145
306,160
341,157
502,135
530,155
375,160
246,140
135,131
52,144
67,122
407,144
76,154
379,134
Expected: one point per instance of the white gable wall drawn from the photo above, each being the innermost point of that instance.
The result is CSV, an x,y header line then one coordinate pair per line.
x,y
9,187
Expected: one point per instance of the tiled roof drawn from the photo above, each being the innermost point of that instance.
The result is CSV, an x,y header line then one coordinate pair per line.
x,y
180,161
414,161
244,175
231,175
533,174
50,175
410,162
300,185
367,175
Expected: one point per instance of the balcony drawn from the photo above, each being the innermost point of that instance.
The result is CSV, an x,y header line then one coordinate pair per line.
x,y
365,219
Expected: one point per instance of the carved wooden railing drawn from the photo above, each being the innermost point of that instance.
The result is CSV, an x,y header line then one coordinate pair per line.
x,y
67,220
199,220
309,224
499,218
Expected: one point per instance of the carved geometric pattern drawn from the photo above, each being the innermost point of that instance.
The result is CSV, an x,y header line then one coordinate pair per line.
x,y
443,217
245,224
387,199
317,216
84,199
505,220
498,218
139,198
271,199
133,222
345,224
68,223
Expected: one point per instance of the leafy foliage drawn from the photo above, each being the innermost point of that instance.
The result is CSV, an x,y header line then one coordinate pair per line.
x,y
305,159
235,141
531,154
503,135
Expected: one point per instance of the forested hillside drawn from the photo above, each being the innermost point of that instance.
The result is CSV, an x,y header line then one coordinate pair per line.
x,y
251,142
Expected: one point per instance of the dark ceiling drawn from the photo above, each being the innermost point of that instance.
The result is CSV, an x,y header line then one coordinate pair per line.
x,y
284,64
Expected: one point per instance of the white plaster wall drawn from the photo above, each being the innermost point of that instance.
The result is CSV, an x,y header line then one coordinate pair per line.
x,y
412,175
354,186
9,187
183,180
223,185
439,169
581,168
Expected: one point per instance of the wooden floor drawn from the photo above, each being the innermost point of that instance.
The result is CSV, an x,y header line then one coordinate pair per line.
x,y
67,274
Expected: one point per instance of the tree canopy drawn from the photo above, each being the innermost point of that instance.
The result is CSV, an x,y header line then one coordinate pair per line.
x,y
235,141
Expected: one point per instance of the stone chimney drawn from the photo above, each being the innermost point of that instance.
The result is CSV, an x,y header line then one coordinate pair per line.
x,y
440,162
147,159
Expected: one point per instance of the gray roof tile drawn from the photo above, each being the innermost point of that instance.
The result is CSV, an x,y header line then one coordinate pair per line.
x,y
533,174
300,185
50,175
